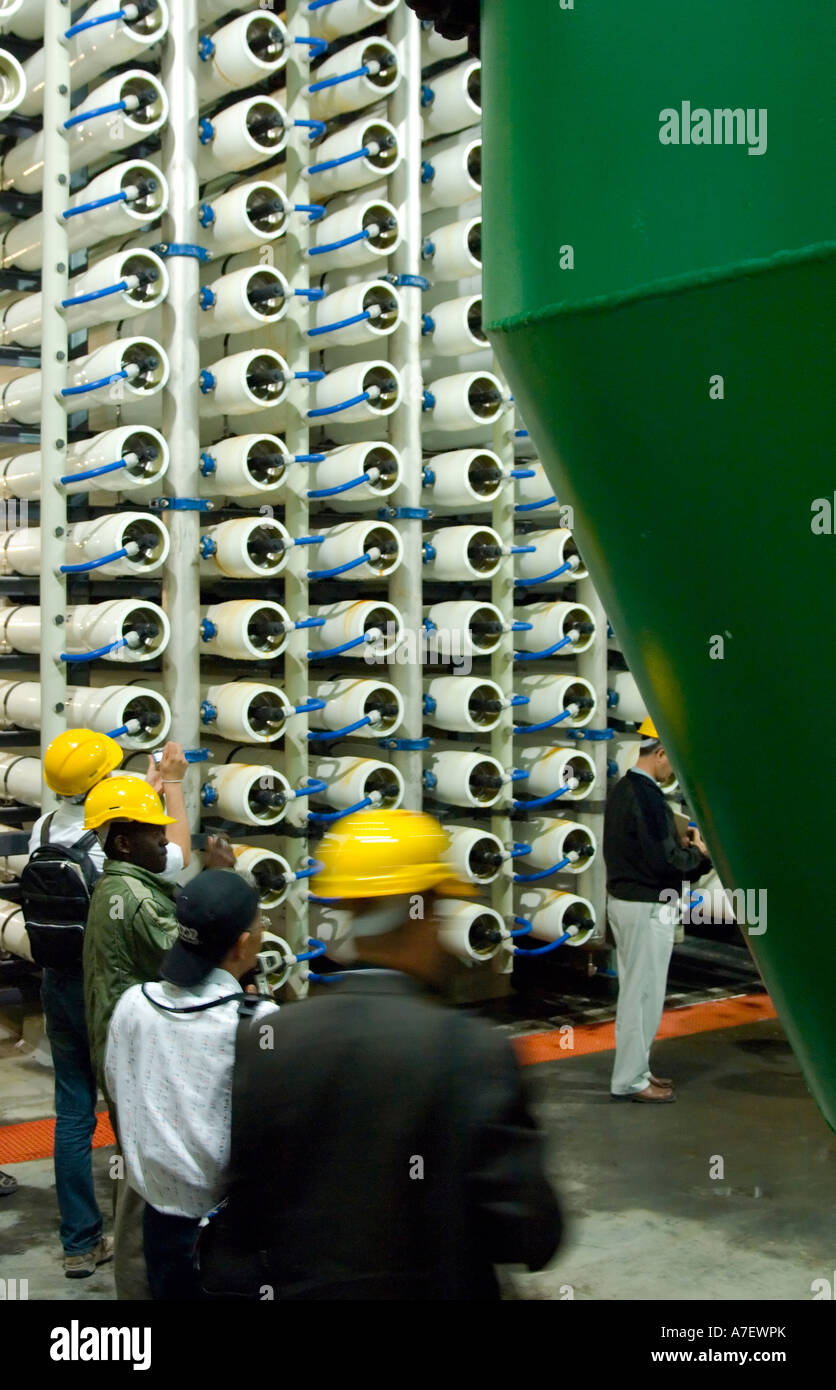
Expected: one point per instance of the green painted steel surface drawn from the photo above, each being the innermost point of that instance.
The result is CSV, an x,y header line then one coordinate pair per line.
x,y
695,515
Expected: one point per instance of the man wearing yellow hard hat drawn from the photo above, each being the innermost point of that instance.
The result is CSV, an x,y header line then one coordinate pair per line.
x,y
645,856
381,1146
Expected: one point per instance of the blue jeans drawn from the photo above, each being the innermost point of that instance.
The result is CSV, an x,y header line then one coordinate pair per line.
x,y
62,997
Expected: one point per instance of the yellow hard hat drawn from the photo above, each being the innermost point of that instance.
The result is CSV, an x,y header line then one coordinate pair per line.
x,y
77,759
647,728
377,854
124,798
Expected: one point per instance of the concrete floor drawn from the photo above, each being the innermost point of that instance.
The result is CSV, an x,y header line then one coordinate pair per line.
x,y
645,1218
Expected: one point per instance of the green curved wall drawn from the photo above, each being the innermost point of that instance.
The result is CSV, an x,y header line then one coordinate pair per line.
x,y
694,515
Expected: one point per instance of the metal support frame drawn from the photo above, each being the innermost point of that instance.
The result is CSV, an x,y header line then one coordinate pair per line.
x,y
502,670
592,666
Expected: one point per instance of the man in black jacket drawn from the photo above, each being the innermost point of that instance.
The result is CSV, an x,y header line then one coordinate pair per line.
x,y
644,857
382,1148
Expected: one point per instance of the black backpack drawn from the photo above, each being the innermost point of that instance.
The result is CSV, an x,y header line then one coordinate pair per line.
x,y
55,889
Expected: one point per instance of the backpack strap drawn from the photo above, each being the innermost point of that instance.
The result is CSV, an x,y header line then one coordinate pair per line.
x,y
46,827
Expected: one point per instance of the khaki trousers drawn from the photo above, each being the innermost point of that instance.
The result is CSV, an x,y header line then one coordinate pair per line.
x,y
644,942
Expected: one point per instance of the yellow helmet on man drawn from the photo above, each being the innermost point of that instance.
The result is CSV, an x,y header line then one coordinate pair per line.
x,y
124,798
77,759
376,854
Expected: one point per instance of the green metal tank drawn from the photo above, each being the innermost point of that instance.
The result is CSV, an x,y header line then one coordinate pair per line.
x,y
660,288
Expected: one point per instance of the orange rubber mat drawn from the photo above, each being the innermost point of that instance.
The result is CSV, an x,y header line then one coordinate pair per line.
x,y
34,1139
582,1038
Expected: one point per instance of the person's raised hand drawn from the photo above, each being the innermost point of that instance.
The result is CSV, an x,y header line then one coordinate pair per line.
x,y
173,763
152,776
218,853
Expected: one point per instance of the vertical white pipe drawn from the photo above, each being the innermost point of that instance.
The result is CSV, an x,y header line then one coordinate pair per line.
x,y
502,672
592,665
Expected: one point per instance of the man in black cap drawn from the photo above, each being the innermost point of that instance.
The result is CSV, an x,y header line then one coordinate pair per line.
x,y
170,1054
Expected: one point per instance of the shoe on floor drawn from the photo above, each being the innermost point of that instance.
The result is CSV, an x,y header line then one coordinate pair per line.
x,y
663,1082
653,1094
82,1266
8,1184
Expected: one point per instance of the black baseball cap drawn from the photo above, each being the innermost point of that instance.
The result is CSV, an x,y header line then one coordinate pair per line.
x,y
213,909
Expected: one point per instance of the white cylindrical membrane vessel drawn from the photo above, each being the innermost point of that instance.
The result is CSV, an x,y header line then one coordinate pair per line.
x,y
272,873
469,478
536,489
245,711
142,360
351,461
244,383
464,552
352,539
378,82
456,100
378,382
434,46
465,704
553,549
252,794
475,854
247,628
454,174
455,250
242,302
248,547
379,301
551,768
353,618
12,82
549,695
97,135
373,135
146,198
242,135
629,704
350,780
469,931
463,627
550,623
347,701
94,625
465,778
243,53
243,465
14,937
626,754
20,550
144,450
102,46
20,779
457,327
366,230
247,215
348,17
464,400
22,17
553,840
103,708
22,320
553,913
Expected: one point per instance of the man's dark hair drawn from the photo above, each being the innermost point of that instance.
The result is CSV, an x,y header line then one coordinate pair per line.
x,y
454,19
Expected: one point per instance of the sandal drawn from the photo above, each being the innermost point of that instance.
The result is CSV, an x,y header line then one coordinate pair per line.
x,y
8,1185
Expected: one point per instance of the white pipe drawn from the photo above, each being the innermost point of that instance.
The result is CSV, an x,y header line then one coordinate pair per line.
x,y
435,47
242,135
626,755
147,199
376,136
248,547
551,913
456,100
22,17
145,450
377,379
469,931
550,695
12,82
536,489
468,620
456,175
14,937
101,708
552,840
20,779
349,16
469,478
475,854
349,619
463,778
244,383
266,867
378,461
461,401
550,768
247,215
372,215
245,793
457,327
379,82
243,53
352,539
239,711
21,321
20,549
350,780
455,250
235,303
97,49
243,629
93,625
630,704
464,552
380,301
550,623
92,139
463,703
244,465
349,700
553,549
144,362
